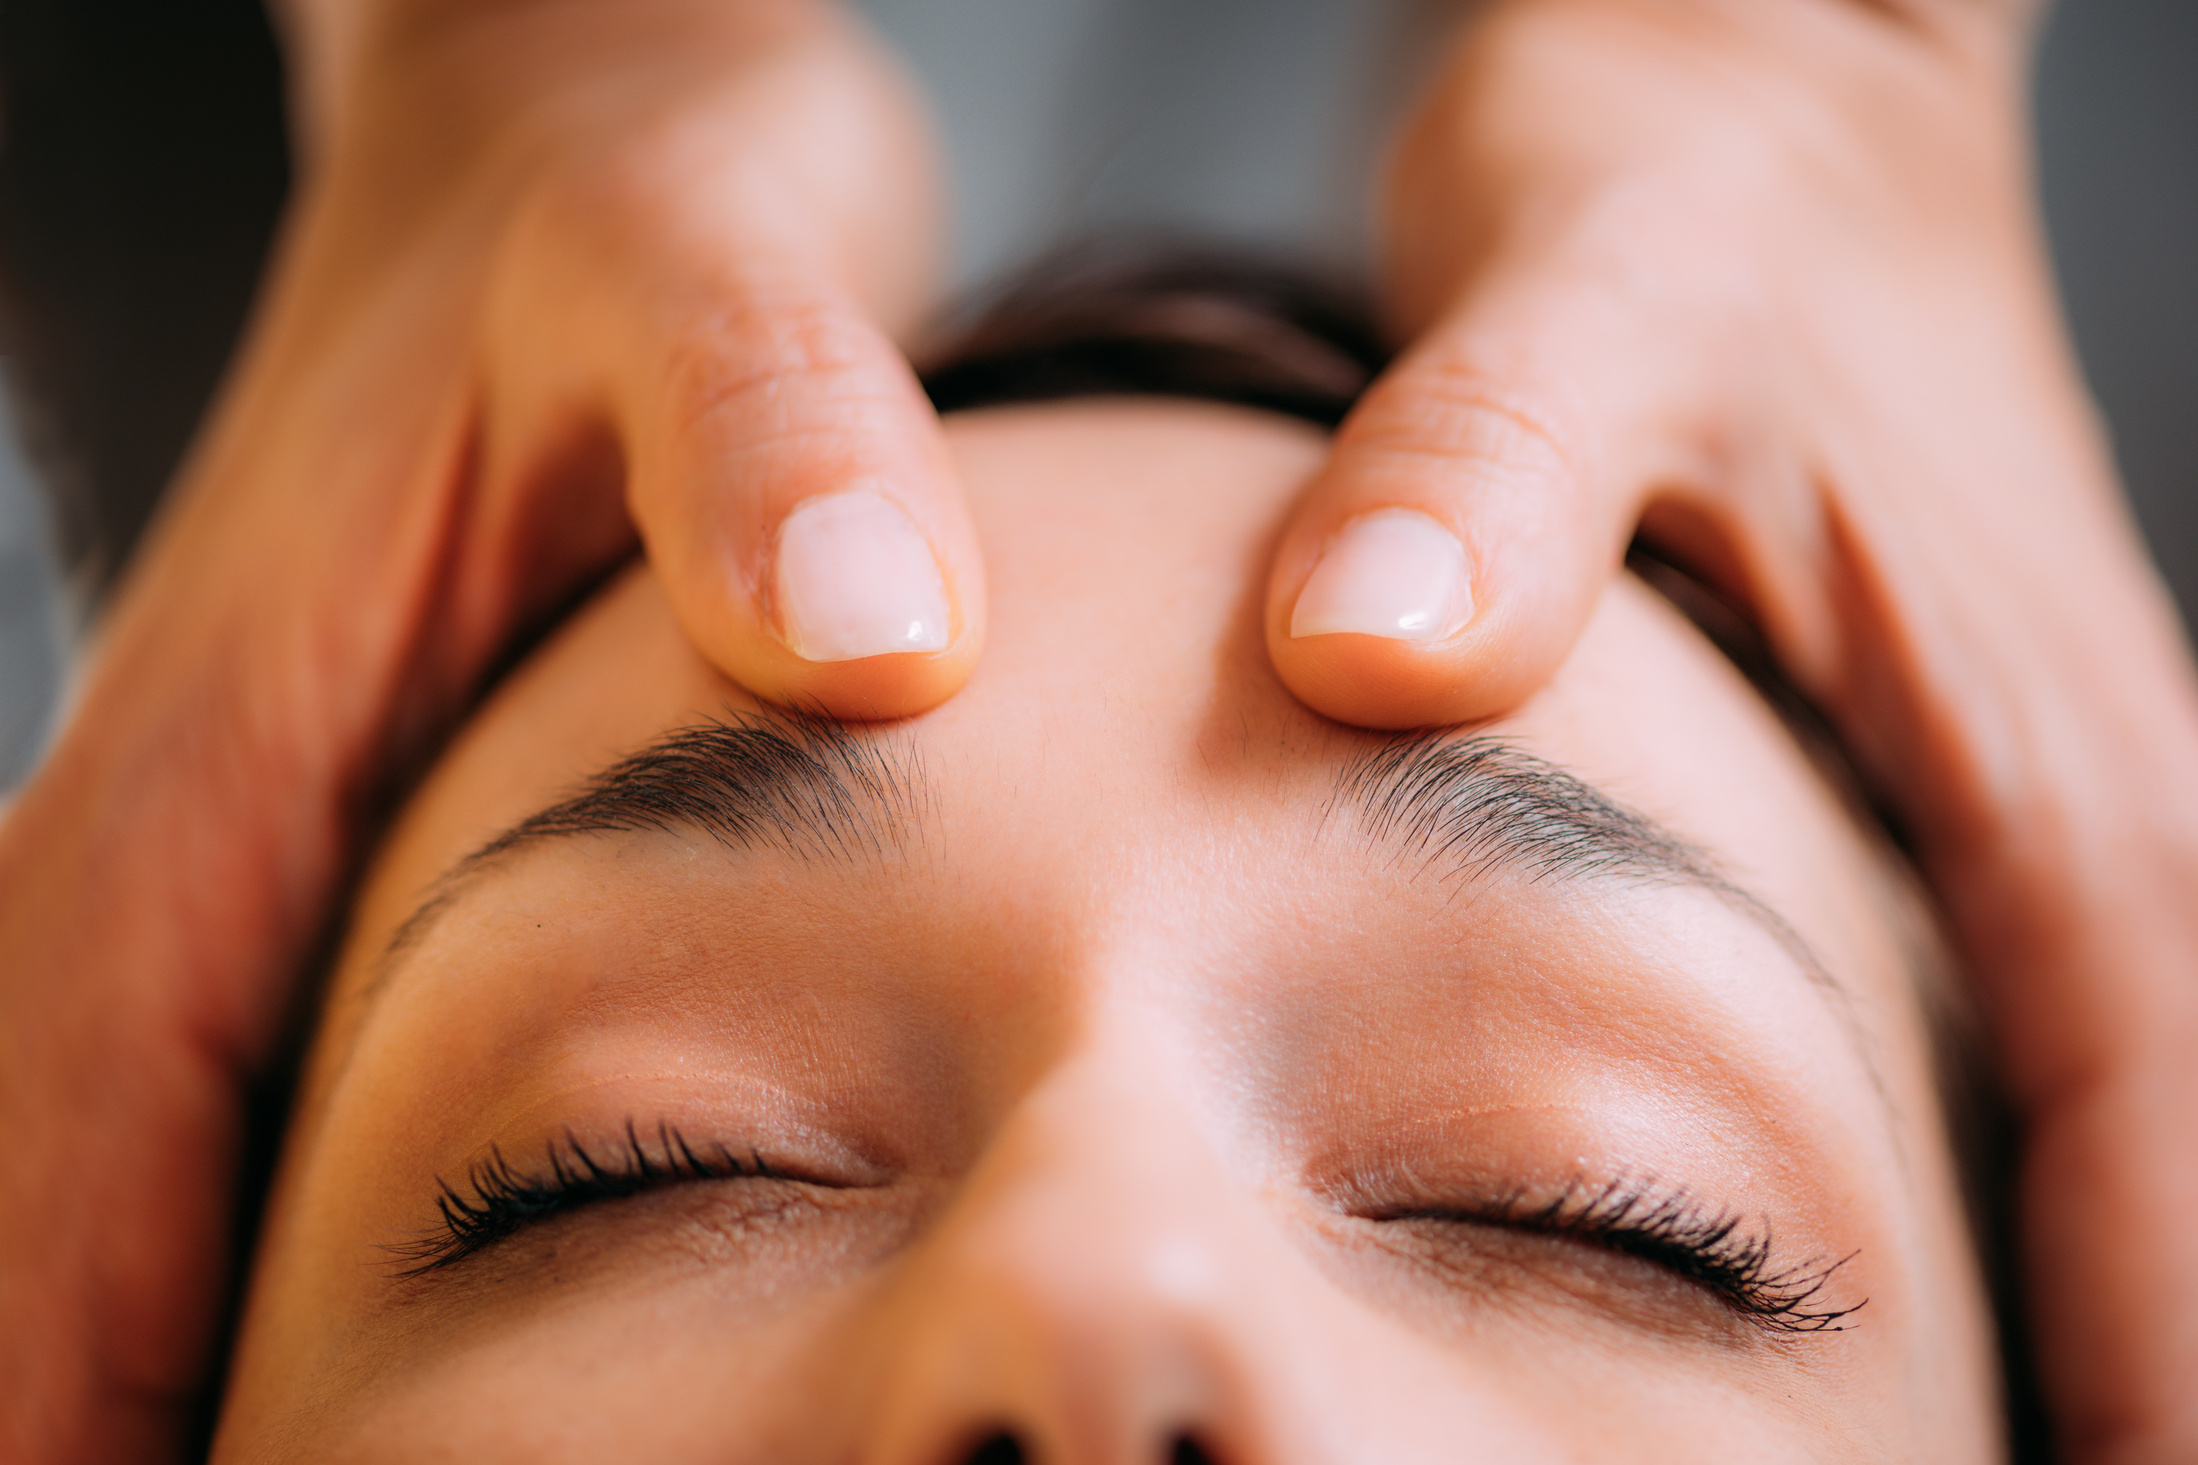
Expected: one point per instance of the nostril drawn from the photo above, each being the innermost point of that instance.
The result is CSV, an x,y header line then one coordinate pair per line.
x,y
1005,1449
1000,1449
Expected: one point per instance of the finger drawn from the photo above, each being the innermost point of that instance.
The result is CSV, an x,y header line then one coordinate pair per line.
x,y
1477,500
793,488
700,313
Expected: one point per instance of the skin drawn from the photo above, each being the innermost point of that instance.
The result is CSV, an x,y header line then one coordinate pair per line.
x,y
564,276
1098,1071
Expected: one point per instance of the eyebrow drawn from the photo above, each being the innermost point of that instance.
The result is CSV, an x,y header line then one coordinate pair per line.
x,y
1464,806
1476,804
803,786
1469,806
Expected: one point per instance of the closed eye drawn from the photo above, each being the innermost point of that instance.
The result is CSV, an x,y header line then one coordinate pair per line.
x,y
498,1199
1716,1251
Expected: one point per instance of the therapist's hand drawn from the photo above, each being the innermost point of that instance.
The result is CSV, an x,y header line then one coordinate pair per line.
x,y
550,260
1762,278
597,256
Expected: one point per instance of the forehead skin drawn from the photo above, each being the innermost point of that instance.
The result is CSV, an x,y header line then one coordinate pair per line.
x,y
1124,776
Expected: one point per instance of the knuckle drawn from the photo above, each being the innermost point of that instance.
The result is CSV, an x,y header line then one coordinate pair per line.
x,y
1447,411
778,357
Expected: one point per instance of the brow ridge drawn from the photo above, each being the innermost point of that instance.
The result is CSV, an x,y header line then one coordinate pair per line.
x,y
800,785
809,787
1470,805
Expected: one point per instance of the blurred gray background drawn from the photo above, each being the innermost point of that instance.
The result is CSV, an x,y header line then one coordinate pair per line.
x,y
1247,120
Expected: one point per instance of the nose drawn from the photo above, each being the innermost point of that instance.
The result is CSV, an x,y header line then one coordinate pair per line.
x,y
1101,1292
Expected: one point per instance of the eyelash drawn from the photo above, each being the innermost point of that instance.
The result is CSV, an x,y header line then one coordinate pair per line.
x,y
1715,1250
500,1200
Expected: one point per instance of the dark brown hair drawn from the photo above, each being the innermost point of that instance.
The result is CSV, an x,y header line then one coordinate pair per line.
x,y
1162,321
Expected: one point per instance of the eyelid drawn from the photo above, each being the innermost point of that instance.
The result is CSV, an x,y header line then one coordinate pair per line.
x,y
505,1200
1717,1251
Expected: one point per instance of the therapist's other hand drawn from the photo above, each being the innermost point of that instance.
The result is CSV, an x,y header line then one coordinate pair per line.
x,y
549,259
1751,267
1762,278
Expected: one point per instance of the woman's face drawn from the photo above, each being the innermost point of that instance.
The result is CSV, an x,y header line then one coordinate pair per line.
x,y
1120,1058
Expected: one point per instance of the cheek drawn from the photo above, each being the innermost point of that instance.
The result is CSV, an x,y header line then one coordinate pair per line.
x,y
668,1375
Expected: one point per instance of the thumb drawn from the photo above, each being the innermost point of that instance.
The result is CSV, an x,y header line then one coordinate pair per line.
x,y
792,485
1443,562
707,295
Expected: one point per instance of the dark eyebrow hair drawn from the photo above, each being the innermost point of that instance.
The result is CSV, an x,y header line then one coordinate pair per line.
x,y
1475,804
813,788
1469,805
801,785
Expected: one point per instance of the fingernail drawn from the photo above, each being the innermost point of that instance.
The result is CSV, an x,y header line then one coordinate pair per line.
x,y
1391,572
856,578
